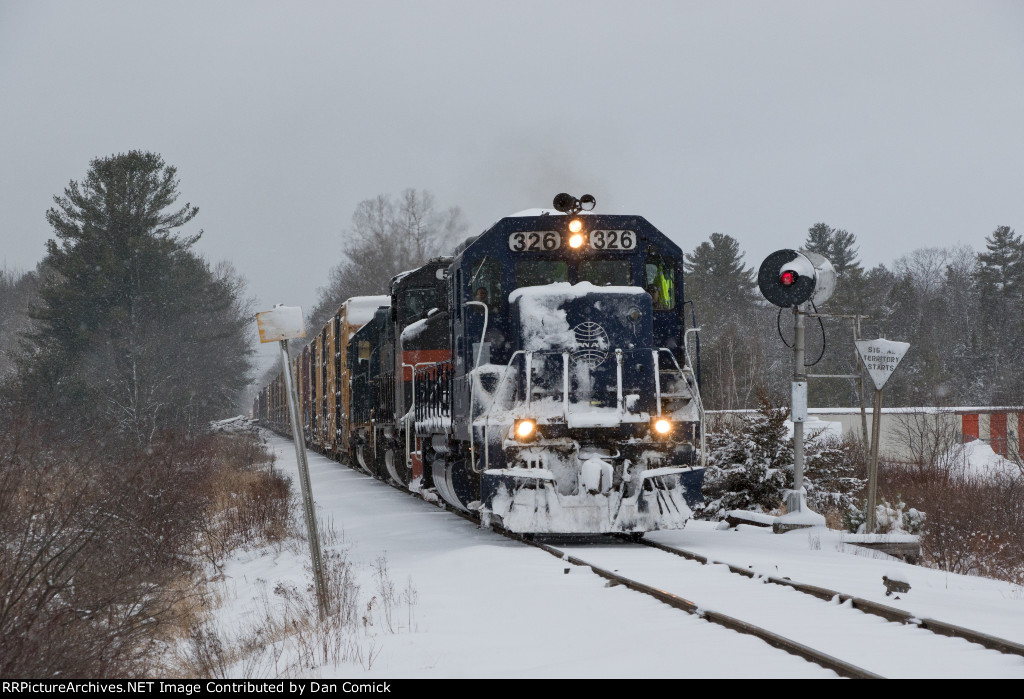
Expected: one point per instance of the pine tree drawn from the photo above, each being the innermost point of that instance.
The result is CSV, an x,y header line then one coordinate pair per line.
x,y
135,332
722,289
1001,300
1001,269
716,275
751,464
747,464
830,474
837,246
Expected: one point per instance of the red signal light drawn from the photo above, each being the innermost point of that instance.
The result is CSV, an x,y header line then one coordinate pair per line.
x,y
788,278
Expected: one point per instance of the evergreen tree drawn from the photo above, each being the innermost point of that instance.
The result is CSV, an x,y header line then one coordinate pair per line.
x,y
135,332
1001,269
716,275
1000,284
747,464
837,246
722,288
750,464
830,473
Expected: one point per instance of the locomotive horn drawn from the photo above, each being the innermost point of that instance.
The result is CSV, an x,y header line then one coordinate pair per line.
x,y
588,202
565,203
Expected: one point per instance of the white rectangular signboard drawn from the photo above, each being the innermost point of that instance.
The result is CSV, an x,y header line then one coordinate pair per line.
x,y
881,357
281,323
799,401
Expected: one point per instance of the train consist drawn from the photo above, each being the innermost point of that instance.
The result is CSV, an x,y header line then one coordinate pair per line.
x,y
539,376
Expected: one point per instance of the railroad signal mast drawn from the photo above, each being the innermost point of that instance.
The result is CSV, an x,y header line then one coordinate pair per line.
x,y
801,281
791,279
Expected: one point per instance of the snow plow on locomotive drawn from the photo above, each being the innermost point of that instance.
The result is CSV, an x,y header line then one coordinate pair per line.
x,y
540,377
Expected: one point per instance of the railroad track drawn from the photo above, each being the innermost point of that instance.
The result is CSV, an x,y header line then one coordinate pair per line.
x,y
884,611
649,577
822,626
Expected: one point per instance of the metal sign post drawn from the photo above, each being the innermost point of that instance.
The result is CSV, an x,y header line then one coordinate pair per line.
x,y
880,358
795,501
280,324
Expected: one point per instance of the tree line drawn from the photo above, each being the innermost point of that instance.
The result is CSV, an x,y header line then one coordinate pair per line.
x,y
961,311
121,305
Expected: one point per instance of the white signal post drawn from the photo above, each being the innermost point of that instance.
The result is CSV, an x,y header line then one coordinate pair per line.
x,y
281,324
798,514
880,358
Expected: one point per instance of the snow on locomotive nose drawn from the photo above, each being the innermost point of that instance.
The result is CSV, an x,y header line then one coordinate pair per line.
x,y
587,391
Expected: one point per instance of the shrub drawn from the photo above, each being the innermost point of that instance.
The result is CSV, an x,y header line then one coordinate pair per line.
x,y
974,526
750,465
96,539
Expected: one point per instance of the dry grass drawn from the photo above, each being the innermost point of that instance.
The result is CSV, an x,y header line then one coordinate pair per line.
x,y
973,525
288,638
249,503
101,545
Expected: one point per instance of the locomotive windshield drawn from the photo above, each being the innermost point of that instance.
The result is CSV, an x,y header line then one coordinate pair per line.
x,y
605,272
597,272
538,272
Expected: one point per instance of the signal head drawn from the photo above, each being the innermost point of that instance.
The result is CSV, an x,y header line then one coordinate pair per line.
x,y
786,278
790,278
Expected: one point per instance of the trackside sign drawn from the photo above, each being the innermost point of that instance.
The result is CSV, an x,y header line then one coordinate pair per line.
x,y
881,357
281,323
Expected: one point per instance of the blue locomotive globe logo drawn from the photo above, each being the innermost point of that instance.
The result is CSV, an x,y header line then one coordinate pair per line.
x,y
591,343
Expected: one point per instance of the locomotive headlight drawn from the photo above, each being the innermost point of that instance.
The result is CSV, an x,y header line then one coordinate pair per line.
x,y
525,430
661,427
575,225
576,240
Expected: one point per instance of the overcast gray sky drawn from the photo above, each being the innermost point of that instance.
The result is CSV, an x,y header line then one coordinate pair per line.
x,y
902,122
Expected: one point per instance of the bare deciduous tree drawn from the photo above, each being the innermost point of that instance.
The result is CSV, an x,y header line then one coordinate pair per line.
x,y
388,235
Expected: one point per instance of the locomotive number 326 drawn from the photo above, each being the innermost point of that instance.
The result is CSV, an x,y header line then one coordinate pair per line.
x,y
534,241
612,240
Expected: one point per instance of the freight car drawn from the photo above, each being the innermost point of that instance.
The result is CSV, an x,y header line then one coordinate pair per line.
x,y
539,376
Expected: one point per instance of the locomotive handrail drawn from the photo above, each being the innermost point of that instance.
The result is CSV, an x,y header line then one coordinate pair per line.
x,y
696,394
434,371
487,415
410,416
476,365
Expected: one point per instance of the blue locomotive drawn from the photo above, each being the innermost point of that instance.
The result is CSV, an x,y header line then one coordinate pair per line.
x,y
540,376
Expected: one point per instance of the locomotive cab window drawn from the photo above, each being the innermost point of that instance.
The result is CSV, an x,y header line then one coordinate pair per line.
x,y
485,283
538,272
605,272
416,303
659,281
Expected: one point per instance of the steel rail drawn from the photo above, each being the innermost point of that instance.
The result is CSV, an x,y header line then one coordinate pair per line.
x,y
829,662
884,611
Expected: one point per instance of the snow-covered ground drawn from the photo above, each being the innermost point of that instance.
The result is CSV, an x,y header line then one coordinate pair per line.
x,y
486,606
977,458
